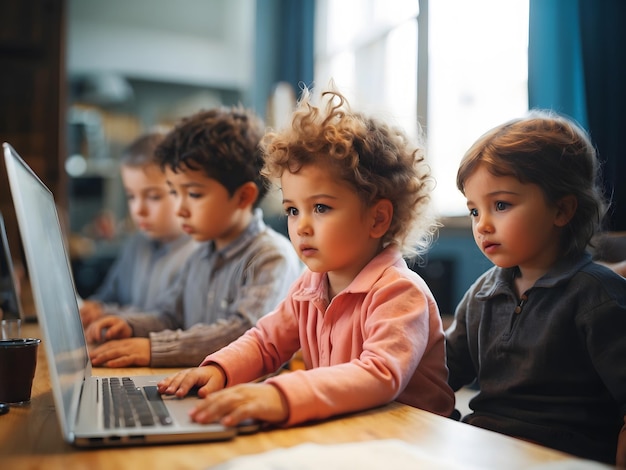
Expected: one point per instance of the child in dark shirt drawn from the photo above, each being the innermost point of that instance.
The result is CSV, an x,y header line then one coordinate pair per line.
x,y
544,331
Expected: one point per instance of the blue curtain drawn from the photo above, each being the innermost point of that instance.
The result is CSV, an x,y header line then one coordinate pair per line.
x,y
555,69
284,46
577,66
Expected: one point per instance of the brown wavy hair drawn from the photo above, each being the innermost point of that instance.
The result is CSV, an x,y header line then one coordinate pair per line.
x,y
376,159
556,154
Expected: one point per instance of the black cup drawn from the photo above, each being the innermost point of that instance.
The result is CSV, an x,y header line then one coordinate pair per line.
x,y
18,360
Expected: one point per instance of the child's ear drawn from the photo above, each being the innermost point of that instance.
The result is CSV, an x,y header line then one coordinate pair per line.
x,y
566,208
247,194
382,213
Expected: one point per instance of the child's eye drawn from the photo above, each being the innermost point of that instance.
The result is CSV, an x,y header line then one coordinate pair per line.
x,y
501,205
154,196
130,197
473,212
291,211
321,208
195,195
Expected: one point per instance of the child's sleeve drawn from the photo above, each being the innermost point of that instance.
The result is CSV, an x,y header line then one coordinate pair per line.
x,y
461,370
187,348
395,328
605,334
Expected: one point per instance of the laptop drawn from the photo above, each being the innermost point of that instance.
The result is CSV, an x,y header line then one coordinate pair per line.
x,y
84,408
10,306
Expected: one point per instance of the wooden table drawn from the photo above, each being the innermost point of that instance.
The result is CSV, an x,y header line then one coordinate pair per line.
x,y
30,438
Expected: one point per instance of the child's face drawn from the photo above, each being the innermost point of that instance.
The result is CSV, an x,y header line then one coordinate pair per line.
x,y
513,225
204,208
150,205
328,224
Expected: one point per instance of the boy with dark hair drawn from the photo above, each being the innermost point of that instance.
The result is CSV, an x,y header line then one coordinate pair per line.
x,y
242,269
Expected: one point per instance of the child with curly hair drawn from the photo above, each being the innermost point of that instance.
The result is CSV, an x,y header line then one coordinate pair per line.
x,y
356,194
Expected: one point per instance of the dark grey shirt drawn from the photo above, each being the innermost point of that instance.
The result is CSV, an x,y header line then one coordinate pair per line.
x,y
143,269
551,368
219,295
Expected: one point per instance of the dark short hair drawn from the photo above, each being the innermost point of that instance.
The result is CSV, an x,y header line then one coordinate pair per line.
x,y
221,142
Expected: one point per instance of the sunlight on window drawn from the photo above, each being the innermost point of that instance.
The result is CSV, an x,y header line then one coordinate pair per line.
x,y
477,79
369,49
477,70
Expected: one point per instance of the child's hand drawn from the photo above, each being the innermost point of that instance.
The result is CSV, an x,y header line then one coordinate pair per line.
x,y
90,311
233,405
122,353
113,327
206,379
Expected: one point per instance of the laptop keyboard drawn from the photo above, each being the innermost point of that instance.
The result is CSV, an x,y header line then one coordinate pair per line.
x,y
125,405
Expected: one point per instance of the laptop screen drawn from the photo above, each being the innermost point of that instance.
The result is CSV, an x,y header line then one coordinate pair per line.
x,y
9,300
51,281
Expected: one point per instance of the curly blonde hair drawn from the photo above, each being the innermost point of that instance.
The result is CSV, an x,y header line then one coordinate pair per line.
x,y
377,160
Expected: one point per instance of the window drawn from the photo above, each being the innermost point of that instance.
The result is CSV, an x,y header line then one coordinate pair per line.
x,y
478,56
476,62
369,49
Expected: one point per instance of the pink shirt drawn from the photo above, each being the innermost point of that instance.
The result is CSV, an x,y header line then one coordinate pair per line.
x,y
381,339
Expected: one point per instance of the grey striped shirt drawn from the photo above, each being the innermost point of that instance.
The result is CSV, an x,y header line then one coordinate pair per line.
x,y
143,268
219,295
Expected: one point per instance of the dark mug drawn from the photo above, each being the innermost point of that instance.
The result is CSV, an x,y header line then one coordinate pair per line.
x,y
18,360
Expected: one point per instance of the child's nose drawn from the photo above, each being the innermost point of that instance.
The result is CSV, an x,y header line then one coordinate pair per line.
x,y
181,208
304,226
484,225
140,207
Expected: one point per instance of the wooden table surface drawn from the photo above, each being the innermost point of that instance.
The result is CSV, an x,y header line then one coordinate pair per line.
x,y
30,438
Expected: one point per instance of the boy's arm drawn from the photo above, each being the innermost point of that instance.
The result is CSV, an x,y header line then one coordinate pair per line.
x,y
270,267
184,348
169,314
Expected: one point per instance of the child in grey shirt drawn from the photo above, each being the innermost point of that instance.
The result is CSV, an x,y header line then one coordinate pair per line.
x,y
243,268
151,258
